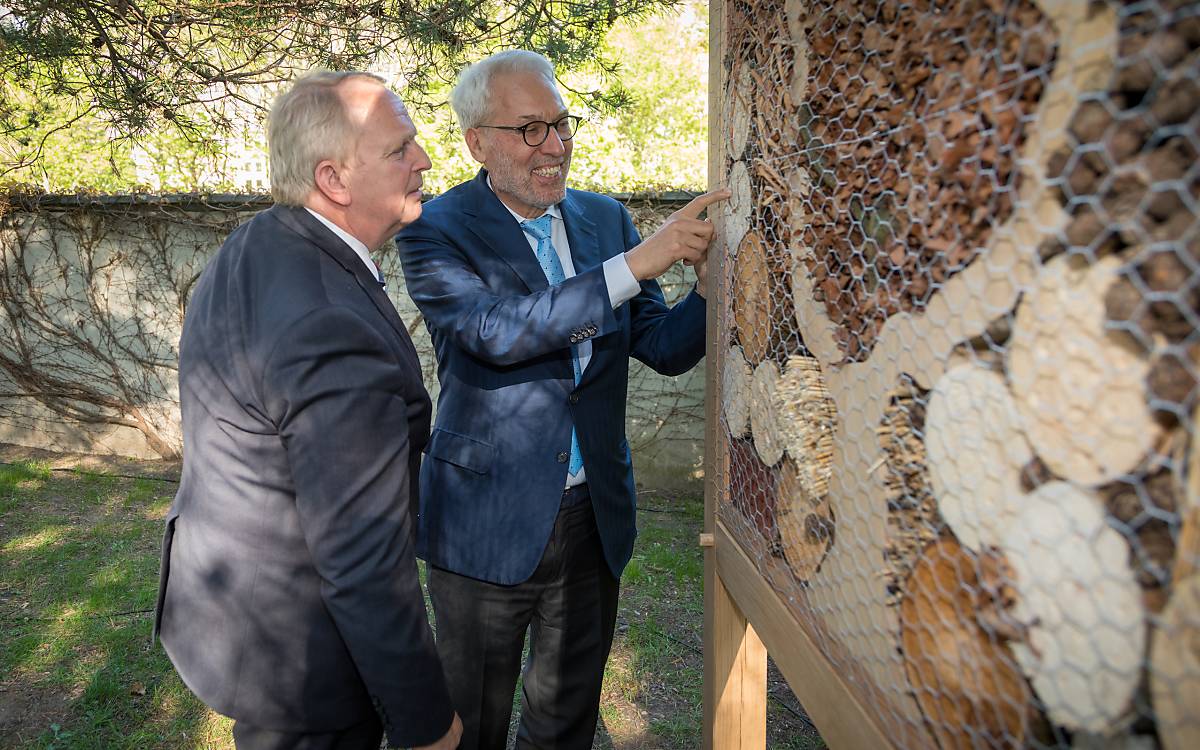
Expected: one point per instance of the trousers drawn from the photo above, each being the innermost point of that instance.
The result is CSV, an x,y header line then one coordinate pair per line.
x,y
569,608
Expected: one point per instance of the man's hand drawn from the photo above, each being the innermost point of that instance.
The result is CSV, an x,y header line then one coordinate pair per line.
x,y
449,741
683,236
701,269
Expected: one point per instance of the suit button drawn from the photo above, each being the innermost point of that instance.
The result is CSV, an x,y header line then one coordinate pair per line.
x,y
573,398
562,457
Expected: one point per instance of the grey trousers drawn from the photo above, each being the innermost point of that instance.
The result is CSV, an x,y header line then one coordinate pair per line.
x,y
568,606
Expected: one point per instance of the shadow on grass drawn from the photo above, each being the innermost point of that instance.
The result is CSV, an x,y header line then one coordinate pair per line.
x,y
78,575
79,556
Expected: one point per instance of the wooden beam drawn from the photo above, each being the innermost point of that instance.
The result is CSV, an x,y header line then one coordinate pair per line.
x,y
841,719
735,663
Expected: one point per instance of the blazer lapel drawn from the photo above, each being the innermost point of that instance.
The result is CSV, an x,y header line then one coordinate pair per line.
x,y
496,229
302,222
581,233
586,255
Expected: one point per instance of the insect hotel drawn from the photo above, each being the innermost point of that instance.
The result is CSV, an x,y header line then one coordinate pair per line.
x,y
953,466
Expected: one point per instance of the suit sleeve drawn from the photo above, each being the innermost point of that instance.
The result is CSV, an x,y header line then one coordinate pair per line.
x,y
332,385
499,329
670,340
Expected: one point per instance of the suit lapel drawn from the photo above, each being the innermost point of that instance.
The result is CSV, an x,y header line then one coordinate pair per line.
x,y
581,233
586,255
496,228
305,224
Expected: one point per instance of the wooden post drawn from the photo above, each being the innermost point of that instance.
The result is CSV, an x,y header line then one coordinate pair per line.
x,y
735,660
735,673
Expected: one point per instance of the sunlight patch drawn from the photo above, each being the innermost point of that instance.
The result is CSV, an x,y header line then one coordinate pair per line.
x,y
37,540
214,730
157,510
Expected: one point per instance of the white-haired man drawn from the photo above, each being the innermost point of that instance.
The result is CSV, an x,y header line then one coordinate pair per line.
x,y
536,296
289,597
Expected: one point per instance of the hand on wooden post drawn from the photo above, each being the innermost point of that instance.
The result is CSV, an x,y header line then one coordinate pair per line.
x,y
684,236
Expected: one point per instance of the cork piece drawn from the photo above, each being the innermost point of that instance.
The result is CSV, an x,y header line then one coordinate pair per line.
x,y
764,412
975,448
1079,387
806,523
752,298
735,392
1081,606
737,109
964,677
738,208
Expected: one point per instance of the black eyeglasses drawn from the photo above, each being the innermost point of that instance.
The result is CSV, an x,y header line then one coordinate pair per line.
x,y
535,133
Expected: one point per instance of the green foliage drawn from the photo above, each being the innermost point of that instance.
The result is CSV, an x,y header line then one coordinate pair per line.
x,y
660,140
647,114
145,62
657,141
58,144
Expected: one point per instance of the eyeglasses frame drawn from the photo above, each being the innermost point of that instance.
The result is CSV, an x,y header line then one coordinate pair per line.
x,y
524,129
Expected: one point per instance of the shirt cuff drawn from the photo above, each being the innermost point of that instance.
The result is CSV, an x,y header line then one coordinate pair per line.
x,y
622,284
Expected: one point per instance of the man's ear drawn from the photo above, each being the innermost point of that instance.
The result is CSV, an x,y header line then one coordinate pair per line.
x,y
329,180
475,143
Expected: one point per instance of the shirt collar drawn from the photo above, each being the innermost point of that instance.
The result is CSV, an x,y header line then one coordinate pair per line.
x,y
355,244
553,210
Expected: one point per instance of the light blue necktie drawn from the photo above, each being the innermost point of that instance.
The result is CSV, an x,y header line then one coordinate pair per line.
x,y
539,229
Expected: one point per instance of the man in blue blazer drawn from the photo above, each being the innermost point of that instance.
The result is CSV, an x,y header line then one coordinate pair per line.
x,y
535,296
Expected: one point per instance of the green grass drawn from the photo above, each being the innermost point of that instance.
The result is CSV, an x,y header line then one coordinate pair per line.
x,y
78,565
655,677
79,556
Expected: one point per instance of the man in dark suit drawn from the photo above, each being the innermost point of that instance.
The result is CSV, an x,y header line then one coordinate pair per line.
x,y
289,597
535,296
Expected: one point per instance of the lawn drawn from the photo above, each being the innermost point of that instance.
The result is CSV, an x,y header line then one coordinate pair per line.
x,y
79,545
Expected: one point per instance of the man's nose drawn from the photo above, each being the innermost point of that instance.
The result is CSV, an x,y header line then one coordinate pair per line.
x,y
424,163
553,144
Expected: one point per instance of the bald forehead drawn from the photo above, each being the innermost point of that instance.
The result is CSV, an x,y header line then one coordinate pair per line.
x,y
362,95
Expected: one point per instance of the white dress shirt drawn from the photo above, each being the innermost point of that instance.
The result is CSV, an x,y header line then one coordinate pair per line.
x,y
355,244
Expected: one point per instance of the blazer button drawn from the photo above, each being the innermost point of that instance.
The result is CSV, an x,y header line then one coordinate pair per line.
x,y
573,398
563,457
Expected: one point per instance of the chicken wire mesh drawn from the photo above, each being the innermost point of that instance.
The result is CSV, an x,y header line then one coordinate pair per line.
x,y
959,313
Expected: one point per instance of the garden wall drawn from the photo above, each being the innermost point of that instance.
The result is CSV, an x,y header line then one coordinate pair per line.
x,y
92,297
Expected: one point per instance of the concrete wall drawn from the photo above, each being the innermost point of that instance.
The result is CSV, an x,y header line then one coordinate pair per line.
x,y
92,298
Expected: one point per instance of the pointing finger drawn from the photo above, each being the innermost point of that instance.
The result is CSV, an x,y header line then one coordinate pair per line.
x,y
700,202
